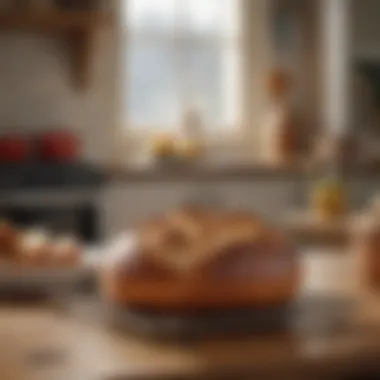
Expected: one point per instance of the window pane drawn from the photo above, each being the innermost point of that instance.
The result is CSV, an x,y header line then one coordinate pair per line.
x,y
150,15
152,84
212,81
220,17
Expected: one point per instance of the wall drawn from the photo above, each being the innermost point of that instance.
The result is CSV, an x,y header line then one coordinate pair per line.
x,y
36,91
127,204
366,33
124,205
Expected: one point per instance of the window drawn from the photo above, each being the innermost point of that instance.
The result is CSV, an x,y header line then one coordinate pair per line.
x,y
182,54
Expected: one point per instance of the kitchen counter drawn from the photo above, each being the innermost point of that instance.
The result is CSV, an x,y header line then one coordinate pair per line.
x,y
230,171
72,341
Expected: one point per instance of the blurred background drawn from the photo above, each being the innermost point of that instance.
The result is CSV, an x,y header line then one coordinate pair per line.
x,y
249,97
112,112
243,91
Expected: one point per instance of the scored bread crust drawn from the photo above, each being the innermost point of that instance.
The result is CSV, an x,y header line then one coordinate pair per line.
x,y
195,258
188,239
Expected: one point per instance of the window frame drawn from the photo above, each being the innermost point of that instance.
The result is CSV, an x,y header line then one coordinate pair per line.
x,y
254,100
227,132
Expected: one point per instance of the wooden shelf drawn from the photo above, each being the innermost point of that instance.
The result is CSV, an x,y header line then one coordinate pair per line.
x,y
76,28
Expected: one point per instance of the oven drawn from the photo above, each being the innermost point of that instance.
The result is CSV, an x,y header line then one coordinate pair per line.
x,y
69,211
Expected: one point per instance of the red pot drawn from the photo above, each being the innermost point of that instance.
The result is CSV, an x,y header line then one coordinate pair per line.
x,y
14,149
59,146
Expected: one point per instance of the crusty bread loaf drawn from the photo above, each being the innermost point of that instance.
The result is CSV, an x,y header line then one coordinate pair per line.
x,y
193,258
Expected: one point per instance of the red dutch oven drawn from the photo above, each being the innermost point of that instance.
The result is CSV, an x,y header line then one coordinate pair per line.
x,y
14,149
61,146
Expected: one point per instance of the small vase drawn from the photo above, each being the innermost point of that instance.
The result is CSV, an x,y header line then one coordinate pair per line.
x,y
279,133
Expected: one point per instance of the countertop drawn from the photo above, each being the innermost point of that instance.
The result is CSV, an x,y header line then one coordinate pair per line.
x,y
71,342
243,171
37,176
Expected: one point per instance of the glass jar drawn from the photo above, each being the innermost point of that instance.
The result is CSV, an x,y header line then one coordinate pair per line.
x,y
328,198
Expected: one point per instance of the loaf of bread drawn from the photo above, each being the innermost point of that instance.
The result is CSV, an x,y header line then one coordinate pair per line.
x,y
196,258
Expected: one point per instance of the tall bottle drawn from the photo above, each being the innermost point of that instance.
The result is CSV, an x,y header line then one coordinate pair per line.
x,y
279,134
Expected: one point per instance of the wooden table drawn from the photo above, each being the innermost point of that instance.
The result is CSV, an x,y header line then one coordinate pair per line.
x,y
48,342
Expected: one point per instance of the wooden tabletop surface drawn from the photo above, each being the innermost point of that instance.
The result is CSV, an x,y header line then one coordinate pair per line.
x,y
49,342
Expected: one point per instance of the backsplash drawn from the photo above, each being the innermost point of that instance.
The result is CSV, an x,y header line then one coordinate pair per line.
x,y
36,91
